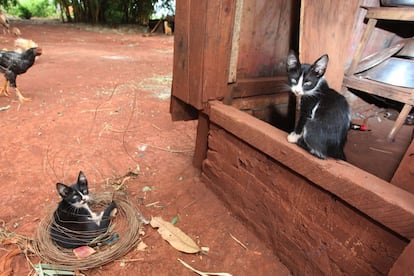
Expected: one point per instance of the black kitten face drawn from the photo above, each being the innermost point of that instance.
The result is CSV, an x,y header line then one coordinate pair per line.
x,y
304,78
76,195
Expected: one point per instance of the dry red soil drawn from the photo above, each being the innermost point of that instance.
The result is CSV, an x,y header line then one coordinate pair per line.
x,y
100,104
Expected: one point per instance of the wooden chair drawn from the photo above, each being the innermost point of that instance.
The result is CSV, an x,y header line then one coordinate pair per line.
x,y
400,94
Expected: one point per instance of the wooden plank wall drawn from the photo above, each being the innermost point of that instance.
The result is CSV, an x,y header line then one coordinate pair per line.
x,y
203,32
404,176
311,231
326,27
321,217
265,37
382,201
189,51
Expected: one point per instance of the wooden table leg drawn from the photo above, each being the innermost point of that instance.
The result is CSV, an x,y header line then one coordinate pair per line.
x,y
399,122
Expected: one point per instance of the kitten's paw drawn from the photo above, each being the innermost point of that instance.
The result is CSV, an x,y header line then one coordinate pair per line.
x,y
293,137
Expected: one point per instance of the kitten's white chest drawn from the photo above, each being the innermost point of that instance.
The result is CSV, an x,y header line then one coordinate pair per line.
x,y
97,218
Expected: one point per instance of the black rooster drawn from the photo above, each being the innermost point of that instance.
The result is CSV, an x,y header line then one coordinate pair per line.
x,y
13,64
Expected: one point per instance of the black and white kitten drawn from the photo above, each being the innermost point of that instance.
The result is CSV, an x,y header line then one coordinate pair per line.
x,y
74,223
324,118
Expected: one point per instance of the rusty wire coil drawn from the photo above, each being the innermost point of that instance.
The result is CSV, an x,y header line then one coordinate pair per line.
x,y
127,224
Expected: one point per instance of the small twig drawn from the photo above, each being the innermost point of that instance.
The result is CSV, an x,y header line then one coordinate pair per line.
x,y
130,260
170,150
120,130
152,204
156,127
201,273
380,150
4,107
188,205
239,242
97,110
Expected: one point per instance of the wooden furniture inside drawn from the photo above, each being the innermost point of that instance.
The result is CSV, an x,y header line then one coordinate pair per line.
x,y
400,94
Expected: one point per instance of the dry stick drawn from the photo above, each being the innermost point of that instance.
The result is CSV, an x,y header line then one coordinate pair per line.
x,y
127,127
97,107
201,273
169,150
380,150
130,260
239,242
97,110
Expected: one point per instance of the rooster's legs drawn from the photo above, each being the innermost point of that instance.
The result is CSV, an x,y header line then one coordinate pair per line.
x,y
20,96
4,90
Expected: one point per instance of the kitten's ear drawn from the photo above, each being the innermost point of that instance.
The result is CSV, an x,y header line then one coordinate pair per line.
x,y
82,179
62,189
319,67
82,183
292,61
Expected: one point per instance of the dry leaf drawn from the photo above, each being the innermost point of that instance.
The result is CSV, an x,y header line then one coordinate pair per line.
x,y
202,273
174,236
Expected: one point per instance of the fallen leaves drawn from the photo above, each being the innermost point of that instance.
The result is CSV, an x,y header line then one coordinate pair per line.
x,y
182,242
174,236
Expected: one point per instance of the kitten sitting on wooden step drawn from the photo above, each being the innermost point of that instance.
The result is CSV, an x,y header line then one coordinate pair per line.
x,y
324,117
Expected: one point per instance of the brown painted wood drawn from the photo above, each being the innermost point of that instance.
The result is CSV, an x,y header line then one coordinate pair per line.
x,y
181,111
309,229
404,175
396,93
260,86
206,34
326,27
196,35
385,203
265,36
404,266
218,45
201,140
400,94
262,101
180,83
391,13
361,46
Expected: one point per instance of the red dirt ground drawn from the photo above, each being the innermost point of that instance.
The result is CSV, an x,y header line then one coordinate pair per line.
x,y
100,103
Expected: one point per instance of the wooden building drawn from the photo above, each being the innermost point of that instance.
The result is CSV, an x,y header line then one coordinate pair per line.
x,y
318,216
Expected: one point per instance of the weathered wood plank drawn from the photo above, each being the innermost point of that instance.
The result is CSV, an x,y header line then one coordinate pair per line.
x,y
180,83
307,227
197,37
217,48
235,42
260,102
265,37
404,264
397,93
326,27
404,175
260,86
181,111
391,13
200,150
385,203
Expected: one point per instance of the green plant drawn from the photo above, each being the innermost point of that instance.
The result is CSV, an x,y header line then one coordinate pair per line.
x,y
32,8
